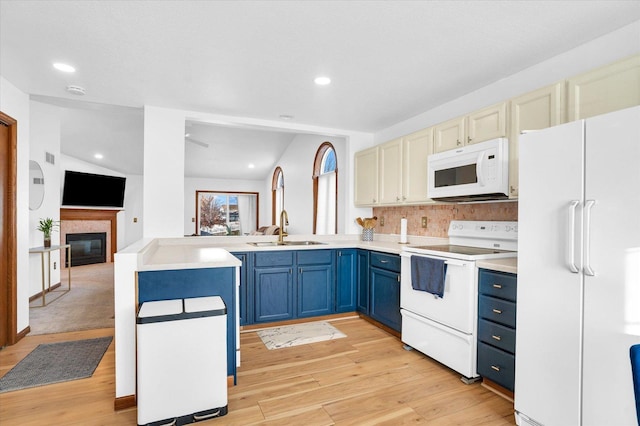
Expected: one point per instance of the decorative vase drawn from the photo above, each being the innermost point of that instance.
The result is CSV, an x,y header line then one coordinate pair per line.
x,y
47,242
367,234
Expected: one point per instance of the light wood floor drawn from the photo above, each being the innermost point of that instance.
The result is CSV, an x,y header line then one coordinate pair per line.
x,y
364,379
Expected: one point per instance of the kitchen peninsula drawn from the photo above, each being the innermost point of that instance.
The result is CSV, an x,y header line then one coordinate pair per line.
x,y
164,268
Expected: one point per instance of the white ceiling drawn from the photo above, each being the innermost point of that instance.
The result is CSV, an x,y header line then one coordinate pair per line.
x,y
388,60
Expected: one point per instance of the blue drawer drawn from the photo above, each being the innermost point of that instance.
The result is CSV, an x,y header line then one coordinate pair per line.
x,y
314,257
496,365
498,284
274,258
497,310
390,262
497,335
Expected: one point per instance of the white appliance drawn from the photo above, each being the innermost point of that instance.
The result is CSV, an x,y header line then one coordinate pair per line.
x,y
474,172
578,272
445,328
181,360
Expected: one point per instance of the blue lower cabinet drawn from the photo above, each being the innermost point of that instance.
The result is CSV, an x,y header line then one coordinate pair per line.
x,y
385,298
346,280
188,283
363,281
315,290
273,294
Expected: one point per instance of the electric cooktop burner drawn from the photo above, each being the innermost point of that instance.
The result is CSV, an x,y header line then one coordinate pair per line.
x,y
470,251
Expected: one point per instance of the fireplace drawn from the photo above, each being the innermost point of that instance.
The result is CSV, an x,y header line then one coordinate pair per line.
x,y
87,248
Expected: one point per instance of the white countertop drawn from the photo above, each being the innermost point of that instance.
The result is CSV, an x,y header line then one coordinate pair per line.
x,y
509,265
215,252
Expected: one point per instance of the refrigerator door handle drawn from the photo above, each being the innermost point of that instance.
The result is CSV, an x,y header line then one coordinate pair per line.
x,y
587,238
572,236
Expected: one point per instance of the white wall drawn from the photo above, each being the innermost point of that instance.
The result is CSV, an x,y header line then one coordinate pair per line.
x,y
192,184
15,104
614,46
163,193
45,137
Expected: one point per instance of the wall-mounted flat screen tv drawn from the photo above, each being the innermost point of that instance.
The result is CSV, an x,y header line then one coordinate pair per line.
x,y
91,190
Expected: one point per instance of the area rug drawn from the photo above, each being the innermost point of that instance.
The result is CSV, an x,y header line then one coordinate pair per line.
x,y
299,334
56,362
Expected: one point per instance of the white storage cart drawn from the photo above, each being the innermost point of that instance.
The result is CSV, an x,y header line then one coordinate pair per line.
x,y
182,361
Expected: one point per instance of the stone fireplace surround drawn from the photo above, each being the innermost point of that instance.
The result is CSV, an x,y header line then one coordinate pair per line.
x,y
74,221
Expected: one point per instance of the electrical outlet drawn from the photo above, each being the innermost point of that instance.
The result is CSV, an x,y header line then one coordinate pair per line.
x,y
424,221
135,220
193,219
55,265
381,220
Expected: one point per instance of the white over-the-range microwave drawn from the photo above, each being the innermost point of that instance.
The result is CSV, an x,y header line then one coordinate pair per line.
x,y
471,173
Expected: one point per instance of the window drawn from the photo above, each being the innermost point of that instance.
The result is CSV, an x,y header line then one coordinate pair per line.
x,y
277,199
325,190
226,213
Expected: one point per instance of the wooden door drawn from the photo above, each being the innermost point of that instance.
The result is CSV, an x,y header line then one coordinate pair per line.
x,y
8,148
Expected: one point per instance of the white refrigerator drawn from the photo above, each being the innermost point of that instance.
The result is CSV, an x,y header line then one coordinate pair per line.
x,y
578,300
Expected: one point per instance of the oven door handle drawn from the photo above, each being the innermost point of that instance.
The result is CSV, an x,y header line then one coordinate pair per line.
x,y
453,262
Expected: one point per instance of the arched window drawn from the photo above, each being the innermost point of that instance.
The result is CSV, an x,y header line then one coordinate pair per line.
x,y
277,198
325,190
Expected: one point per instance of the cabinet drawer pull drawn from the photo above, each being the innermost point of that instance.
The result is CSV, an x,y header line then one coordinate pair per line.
x,y
496,311
497,286
493,336
495,367
384,261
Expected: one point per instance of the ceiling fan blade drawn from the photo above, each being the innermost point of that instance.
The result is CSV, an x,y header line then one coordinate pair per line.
x,y
197,142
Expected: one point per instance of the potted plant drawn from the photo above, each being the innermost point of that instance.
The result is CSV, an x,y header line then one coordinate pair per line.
x,y
46,226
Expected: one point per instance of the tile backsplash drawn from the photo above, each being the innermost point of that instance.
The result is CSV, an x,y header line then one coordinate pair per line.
x,y
439,216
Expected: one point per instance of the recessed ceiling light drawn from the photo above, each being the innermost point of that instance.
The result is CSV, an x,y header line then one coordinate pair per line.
x,y
286,117
252,166
64,67
98,156
322,81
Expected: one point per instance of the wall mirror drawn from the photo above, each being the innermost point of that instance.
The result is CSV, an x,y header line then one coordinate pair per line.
x,y
36,185
222,213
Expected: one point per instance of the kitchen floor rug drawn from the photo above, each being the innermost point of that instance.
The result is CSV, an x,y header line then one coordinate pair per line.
x,y
299,334
58,362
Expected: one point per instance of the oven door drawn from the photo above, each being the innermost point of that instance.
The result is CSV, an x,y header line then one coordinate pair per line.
x,y
457,308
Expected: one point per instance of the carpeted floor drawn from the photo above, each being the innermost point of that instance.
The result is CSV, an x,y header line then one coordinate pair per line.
x,y
89,304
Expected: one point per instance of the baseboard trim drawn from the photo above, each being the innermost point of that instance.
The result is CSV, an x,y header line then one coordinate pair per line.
x,y
262,325
22,334
497,389
380,325
124,402
38,295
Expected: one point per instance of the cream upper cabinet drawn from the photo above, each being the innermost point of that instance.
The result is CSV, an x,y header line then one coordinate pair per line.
x,y
416,147
606,89
536,110
366,177
449,135
487,123
390,172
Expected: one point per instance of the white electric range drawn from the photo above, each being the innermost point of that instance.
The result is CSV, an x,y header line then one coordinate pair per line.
x,y
445,328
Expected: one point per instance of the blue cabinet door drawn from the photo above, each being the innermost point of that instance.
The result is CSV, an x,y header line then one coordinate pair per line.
x,y
363,281
315,290
346,280
273,294
385,298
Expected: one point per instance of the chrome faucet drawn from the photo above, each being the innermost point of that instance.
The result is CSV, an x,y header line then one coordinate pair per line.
x,y
284,217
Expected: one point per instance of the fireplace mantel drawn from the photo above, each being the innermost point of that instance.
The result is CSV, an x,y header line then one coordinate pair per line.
x,y
91,214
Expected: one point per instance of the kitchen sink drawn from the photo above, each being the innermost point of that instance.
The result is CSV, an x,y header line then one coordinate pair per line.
x,y
285,243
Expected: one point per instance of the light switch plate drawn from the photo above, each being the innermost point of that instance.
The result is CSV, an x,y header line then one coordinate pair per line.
x,y
381,220
424,221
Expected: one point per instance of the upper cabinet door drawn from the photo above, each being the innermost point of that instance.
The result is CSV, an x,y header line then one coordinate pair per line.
x,y
606,89
416,147
535,110
488,123
449,135
366,177
390,172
